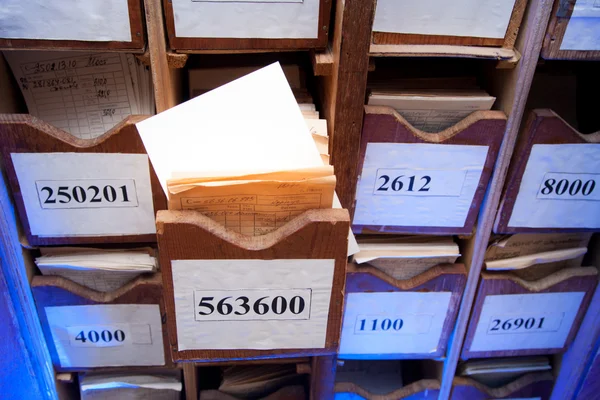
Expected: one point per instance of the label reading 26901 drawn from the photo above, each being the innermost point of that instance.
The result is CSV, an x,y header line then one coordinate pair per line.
x,y
87,193
252,304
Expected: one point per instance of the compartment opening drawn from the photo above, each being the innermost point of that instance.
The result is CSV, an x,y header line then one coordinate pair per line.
x,y
499,372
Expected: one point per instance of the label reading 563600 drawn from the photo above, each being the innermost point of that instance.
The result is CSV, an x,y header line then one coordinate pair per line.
x,y
87,193
252,304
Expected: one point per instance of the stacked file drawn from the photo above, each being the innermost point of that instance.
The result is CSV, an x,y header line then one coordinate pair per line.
x,y
404,257
241,154
85,94
131,386
98,269
498,372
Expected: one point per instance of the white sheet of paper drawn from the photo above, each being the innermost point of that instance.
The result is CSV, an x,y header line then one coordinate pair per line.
x,y
422,317
50,214
476,18
142,344
534,208
583,28
558,311
246,330
250,125
442,200
247,19
89,20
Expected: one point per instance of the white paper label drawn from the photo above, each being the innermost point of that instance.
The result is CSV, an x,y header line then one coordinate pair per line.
x,y
247,19
393,323
89,20
583,28
111,193
475,18
418,184
107,335
526,321
275,304
560,188
252,304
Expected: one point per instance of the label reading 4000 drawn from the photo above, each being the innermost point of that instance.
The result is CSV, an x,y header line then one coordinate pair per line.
x,y
252,304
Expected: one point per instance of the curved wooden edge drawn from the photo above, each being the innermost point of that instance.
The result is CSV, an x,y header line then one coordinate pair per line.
x,y
440,50
444,135
266,241
408,390
292,392
98,297
64,136
547,281
415,281
548,113
507,389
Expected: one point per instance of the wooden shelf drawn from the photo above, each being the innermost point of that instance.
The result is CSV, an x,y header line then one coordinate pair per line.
x,y
424,50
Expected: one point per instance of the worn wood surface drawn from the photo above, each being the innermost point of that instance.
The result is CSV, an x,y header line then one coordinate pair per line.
x,y
583,279
322,378
183,44
343,93
56,291
295,392
425,389
439,50
511,87
482,128
322,62
590,386
22,133
507,42
442,278
315,234
543,126
532,385
561,15
137,43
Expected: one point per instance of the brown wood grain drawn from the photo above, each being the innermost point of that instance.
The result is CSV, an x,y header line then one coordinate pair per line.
x,y
136,45
183,44
56,291
561,15
315,234
322,377
507,42
483,128
531,385
345,90
542,127
441,278
425,389
582,279
22,133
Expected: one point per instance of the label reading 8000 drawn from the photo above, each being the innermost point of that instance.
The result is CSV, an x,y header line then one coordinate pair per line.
x,y
252,304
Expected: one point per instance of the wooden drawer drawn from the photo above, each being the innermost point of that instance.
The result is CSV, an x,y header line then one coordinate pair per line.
x,y
230,296
390,318
552,183
204,26
85,329
572,32
435,22
530,386
58,181
411,181
74,25
514,317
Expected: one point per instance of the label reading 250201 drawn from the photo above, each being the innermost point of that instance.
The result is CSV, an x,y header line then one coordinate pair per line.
x,y
87,193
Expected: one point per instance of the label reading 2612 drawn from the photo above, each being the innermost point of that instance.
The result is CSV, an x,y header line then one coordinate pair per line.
x,y
406,182
87,193
252,304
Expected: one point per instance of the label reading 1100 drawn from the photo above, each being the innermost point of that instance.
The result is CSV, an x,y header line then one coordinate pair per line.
x,y
252,304
87,193
406,182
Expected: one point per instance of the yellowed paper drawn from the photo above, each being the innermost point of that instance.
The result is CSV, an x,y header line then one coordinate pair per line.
x,y
534,259
530,243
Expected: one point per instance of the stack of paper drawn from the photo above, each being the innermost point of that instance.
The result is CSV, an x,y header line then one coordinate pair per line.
x,y
241,154
85,94
498,372
433,110
258,381
532,256
98,269
112,386
406,256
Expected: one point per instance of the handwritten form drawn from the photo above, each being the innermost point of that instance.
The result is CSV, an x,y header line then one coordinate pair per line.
x,y
85,94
